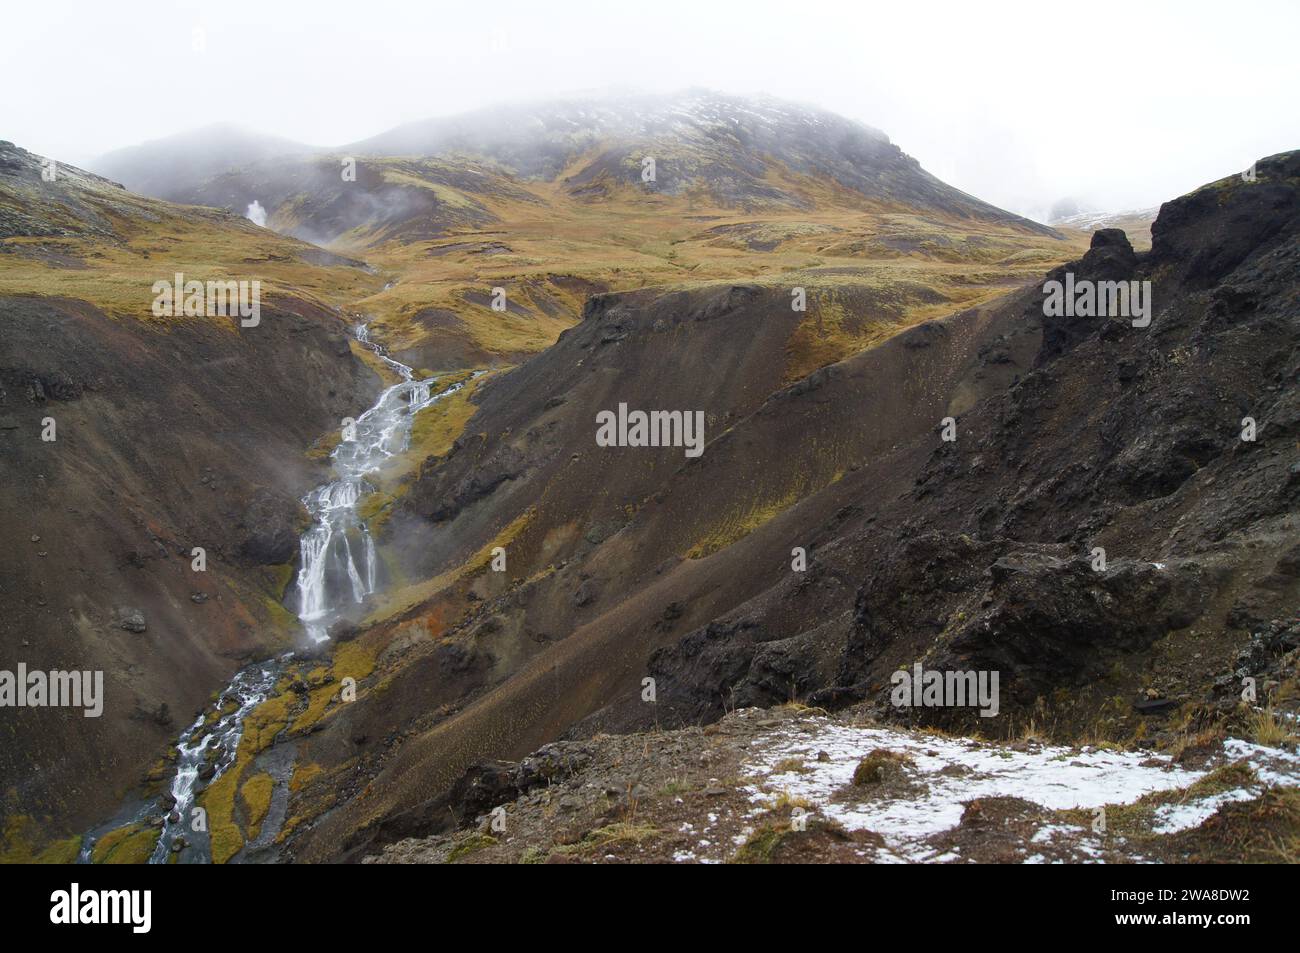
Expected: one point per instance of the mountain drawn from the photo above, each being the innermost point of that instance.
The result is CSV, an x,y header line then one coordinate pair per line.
x,y
170,167
734,152
1073,435
546,201
744,152
509,580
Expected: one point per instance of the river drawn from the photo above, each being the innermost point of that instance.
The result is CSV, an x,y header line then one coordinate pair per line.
x,y
338,569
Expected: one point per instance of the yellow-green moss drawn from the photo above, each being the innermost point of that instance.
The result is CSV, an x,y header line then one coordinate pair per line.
x,y
132,844
281,576
323,447
303,775
256,794
470,844
261,726
741,524
19,837
397,600
219,801
761,844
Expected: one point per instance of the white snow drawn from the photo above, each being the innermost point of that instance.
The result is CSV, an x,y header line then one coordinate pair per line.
x,y
1172,818
1272,765
950,772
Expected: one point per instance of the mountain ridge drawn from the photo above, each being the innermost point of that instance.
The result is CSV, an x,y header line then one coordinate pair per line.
x,y
734,149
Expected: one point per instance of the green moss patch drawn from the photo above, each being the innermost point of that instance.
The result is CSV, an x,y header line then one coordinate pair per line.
x,y
133,844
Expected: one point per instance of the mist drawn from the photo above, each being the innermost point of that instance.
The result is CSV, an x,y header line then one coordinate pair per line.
x,y
1115,105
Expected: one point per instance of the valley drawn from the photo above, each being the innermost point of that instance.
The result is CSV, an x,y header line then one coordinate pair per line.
x,y
434,587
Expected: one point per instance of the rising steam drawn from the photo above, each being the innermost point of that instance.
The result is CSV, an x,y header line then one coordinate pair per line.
x,y
256,214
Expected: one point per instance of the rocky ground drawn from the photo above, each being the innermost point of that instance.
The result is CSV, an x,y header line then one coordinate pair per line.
x,y
794,784
1100,531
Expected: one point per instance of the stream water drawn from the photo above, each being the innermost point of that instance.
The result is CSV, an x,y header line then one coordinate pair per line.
x,y
338,570
339,567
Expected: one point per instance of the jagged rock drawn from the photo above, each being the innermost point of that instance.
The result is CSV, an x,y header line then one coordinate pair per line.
x,y
585,594
271,526
343,631
132,620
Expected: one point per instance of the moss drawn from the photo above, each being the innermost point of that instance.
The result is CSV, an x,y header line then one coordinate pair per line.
x,y
264,722
278,714
218,799
303,775
470,844
281,576
20,836
762,843
132,844
256,794
355,660
261,726
878,766
318,702
372,505
63,851
398,600
324,447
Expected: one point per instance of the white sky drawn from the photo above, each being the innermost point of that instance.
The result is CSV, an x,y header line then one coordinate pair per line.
x,y
1120,104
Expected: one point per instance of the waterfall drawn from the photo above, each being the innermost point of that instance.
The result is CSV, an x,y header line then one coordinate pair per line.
x,y
339,565
335,576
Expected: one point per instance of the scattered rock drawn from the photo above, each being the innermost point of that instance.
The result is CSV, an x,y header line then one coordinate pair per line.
x,y
132,620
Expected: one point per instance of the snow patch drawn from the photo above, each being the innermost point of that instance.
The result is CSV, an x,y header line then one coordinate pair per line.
x,y
950,772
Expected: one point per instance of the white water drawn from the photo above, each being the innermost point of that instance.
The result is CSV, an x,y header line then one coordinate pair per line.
x,y
339,569
250,688
339,566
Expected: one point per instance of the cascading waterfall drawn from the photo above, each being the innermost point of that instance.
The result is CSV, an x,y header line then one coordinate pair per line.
x,y
218,746
339,565
340,568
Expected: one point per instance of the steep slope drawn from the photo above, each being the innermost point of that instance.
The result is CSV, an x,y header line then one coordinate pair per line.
x,y
625,563
169,433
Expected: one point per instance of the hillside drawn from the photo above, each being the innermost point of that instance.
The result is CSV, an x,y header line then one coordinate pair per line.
x,y
168,168
171,433
546,201
1136,224
821,436
192,429
975,554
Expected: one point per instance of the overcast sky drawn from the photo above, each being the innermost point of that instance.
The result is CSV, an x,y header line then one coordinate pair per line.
x,y
1119,104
